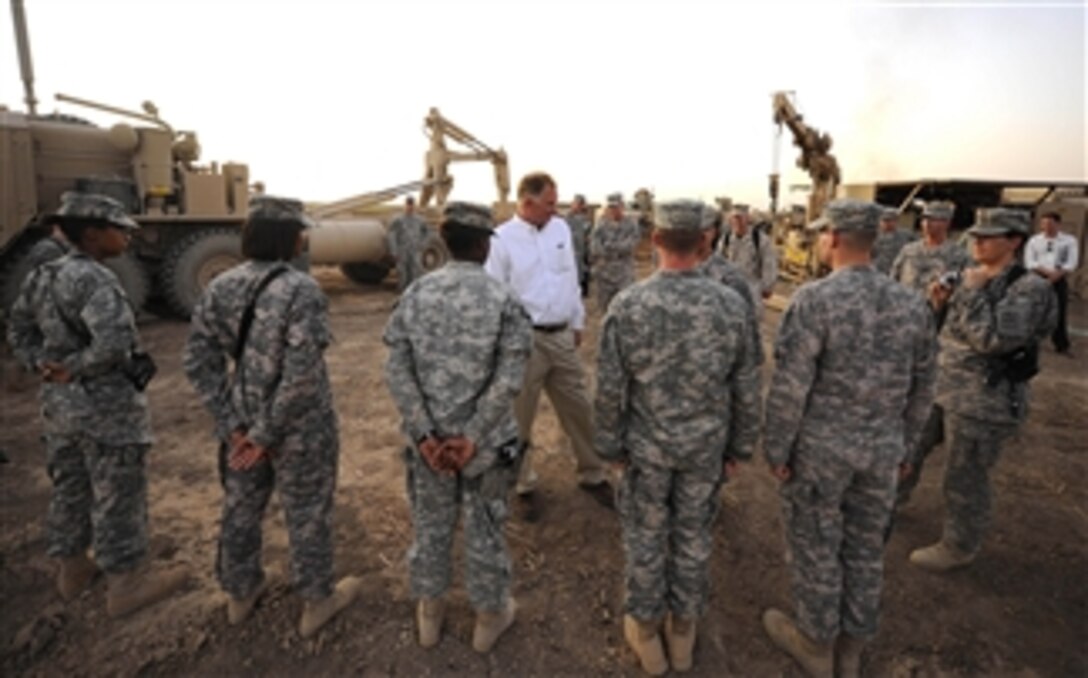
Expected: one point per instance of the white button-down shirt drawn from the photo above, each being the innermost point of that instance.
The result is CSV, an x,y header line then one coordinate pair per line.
x,y
538,264
1056,254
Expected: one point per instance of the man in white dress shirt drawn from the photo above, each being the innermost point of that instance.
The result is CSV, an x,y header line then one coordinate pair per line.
x,y
534,255
1054,255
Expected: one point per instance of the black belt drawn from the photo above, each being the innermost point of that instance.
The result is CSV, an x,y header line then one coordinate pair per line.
x,y
550,329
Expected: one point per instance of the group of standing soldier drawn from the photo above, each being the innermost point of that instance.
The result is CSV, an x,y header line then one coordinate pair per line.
x,y
849,419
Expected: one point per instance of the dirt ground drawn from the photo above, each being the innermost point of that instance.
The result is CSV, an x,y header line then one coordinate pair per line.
x,y
1021,610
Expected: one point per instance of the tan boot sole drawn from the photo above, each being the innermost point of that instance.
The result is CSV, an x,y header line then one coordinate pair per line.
x,y
239,610
484,639
316,615
652,660
788,638
155,586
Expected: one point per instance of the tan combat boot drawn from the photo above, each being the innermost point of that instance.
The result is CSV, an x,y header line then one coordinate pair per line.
x,y
680,637
75,575
940,557
318,613
644,639
238,609
429,613
129,591
848,656
491,625
817,659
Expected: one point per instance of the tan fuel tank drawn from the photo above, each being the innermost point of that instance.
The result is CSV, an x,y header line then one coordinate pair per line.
x,y
345,241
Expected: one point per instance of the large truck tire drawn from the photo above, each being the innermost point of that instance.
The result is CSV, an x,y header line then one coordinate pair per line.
x,y
365,273
193,261
433,254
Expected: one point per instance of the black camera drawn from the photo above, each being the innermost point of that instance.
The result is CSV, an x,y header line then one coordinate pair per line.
x,y
141,369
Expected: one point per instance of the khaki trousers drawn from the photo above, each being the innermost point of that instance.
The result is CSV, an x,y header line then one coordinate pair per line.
x,y
554,366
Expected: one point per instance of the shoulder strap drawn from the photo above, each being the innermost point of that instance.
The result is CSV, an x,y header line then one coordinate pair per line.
x,y
247,316
1015,274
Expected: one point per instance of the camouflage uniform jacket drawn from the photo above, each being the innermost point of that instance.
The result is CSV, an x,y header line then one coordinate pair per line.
x,y
717,267
46,249
407,233
579,235
279,392
887,247
854,371
459,342
612,248
758,264
983,323
73,311
918,265
677,380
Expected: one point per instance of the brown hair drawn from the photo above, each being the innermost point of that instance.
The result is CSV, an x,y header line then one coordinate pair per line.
x,y
534,184
679,242
1052,215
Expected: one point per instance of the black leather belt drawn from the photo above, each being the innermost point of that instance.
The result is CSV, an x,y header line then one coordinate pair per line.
x,y
550,329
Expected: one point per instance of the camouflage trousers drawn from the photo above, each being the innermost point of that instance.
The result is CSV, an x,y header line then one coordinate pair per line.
x,y
666,516
973,450
306,479
932,436
610,282
835,517
436,502
100,500
409,269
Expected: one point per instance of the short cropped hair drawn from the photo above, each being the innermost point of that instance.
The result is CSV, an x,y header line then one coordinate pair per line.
x,y
858,240
679,242
270,239
535,183
1053,215
460,239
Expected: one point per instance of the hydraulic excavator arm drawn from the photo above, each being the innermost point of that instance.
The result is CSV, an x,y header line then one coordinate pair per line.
x,y
437,179
816,157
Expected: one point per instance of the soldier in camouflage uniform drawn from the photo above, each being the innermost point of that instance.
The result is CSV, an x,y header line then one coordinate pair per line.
x,y
717,267
752,251
853,383
407,235
891,240
678,406
918,265
578,219
612,251
72,324
274,415
458,345
995,311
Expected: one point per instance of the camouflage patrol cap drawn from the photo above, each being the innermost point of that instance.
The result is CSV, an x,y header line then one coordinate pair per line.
x,y
683,215
848,214
578,197
615,200
278,208
469,215
92,207
1000,221
939,209
738,208
889,214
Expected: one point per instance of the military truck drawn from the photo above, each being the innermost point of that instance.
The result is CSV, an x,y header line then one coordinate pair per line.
x,y
190,214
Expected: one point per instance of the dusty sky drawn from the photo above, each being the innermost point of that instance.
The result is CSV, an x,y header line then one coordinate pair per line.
x,y
325,99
